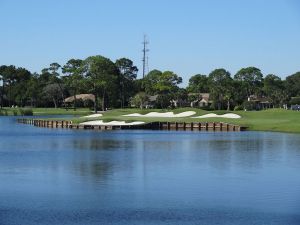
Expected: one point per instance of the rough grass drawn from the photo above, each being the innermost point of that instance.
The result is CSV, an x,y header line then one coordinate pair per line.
x,y
267,120
46,111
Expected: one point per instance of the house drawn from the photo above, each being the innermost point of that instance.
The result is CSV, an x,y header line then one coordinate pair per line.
x,y
85,98
199,99
151,101
259,103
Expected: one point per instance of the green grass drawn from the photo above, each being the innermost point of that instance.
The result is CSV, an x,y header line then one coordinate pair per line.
x,y
46,111
278,120
266,120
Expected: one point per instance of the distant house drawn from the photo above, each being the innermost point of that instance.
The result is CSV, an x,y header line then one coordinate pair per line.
x,y
259,103
199,99
85,98
150,103
204,102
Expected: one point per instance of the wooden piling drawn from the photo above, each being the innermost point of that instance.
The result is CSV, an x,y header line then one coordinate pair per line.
x,y
215,126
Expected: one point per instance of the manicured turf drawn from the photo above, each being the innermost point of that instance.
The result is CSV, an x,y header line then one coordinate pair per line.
x,y
266,120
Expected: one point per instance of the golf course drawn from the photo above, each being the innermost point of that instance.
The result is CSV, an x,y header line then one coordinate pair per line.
x,y
277,120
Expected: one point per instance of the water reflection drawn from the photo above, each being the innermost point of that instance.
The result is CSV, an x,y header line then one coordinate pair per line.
x,y
135,177
101,144
93,170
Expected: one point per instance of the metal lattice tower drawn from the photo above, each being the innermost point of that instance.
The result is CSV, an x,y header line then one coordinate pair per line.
x,y
145,57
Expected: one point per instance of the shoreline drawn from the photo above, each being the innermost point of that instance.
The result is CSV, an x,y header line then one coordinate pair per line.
x,y
192,126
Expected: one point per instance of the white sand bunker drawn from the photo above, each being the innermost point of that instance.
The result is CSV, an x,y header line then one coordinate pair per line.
x,y
111,123
227,115
93,115
166,114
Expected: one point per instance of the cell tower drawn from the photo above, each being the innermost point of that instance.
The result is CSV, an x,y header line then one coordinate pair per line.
x,y
145,57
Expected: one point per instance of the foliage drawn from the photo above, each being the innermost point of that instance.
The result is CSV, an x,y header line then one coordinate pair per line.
x,y
128,73
139,100
115,83
295,101
249,105
198,84
251,80
163,101
293,84
157,82
274,90
52,92
73,70
220,87
238,108
25,112
102,76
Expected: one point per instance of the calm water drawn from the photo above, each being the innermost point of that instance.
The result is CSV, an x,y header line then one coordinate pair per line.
x,y
54,176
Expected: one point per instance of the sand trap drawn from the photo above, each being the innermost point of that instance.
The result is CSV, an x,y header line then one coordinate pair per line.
x,y
93,115
111,123
227,115
166,114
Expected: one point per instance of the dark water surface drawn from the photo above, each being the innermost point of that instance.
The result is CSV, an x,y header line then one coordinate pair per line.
x,y
56,176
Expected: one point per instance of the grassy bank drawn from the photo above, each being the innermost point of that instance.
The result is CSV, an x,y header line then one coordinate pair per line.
x,y
267,120
43,111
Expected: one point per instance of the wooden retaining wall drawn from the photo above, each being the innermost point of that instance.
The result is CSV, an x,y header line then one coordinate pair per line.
x,y
193,126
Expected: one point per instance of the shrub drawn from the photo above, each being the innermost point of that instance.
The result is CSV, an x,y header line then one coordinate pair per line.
x,y
238,108
15,112
295,101
248,105
207,108
26,112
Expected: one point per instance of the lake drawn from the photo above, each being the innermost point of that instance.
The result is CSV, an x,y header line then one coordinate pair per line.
x,y
64,177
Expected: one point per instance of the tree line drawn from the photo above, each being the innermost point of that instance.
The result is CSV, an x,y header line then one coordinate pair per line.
x,y
115,85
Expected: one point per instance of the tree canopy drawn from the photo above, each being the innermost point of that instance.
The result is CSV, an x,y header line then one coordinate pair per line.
x,y
115,84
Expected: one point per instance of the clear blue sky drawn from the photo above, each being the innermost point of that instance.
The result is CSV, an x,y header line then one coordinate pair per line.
x,y
186,36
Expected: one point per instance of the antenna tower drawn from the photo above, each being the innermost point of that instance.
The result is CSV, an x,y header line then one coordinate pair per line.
x,y
145,57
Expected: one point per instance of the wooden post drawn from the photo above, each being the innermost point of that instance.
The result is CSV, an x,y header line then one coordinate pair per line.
x,y
192,126
206,126
176,125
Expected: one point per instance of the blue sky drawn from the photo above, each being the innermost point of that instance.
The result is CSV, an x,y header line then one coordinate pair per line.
x,y
186,36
